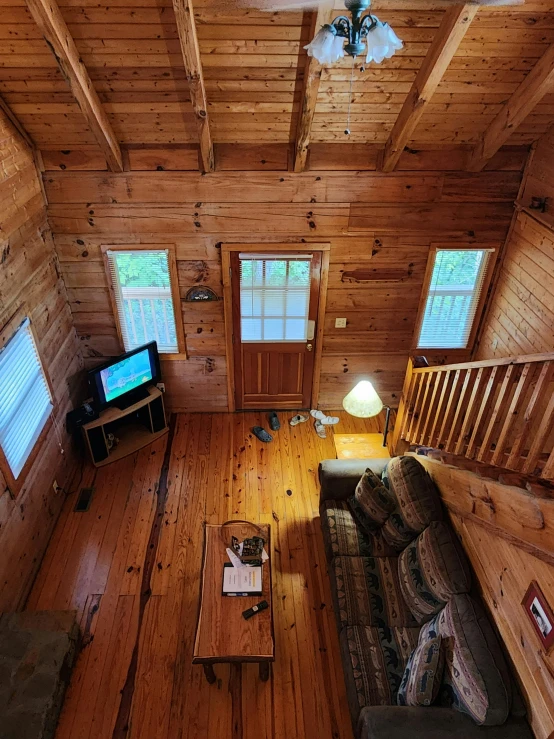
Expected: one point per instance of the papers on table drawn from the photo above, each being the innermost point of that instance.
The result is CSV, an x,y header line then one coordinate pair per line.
x,y
242,580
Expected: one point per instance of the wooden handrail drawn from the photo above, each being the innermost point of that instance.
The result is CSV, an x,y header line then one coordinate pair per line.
x,y
498,412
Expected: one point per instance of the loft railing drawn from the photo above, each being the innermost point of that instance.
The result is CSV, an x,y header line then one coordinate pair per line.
x,y
500,412
149,313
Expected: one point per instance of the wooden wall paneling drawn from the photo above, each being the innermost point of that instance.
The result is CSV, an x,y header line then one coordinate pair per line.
x,y
186,27
446,41
50,20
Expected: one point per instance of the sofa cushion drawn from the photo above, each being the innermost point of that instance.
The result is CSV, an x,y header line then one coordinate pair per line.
x,y
476,678
423,675
366,592
372,503
418,502
342,535
432,569
374,660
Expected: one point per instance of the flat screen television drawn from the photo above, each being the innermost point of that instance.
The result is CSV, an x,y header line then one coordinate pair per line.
x,y
125,380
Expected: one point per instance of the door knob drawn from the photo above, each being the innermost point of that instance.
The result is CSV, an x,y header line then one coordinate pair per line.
x,y
309,347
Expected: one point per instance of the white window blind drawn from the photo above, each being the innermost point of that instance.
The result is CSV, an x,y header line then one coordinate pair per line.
x,y
142,287
274,297
453,298
25,402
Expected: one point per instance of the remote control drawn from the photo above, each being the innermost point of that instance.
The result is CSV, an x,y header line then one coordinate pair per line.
x,y
255,609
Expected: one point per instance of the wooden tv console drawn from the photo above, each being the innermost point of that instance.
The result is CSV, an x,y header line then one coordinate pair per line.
x,y
136,426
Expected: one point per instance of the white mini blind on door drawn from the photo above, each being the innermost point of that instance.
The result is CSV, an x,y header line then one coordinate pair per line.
x,y
454,295
141,283
25,402
274,297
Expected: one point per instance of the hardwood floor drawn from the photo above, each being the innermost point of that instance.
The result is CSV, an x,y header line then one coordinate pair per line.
x,y
131,567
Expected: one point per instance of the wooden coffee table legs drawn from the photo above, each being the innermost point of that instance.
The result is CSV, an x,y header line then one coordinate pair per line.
x,y
210,673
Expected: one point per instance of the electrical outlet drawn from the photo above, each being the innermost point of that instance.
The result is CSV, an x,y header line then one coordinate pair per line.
x,y
340,322
161,386
56,488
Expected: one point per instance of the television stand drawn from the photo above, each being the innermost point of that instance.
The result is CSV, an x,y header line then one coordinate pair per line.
x,y
134,427
131,398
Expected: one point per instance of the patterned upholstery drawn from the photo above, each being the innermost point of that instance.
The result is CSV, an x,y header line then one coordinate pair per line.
x,y
418,501
372,503
366,592
374,662
423,675
342,536
432,569
476,679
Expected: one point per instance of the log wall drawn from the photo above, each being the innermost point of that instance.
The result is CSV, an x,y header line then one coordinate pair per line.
x,y
382,224
29,276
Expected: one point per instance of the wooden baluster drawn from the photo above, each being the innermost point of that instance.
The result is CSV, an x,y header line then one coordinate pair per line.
x,y
513,412
544,430
470,451
446,382
545,376
459,411
449,409
431,411
548,469
404,415
496,413
416,407
470,412
422,415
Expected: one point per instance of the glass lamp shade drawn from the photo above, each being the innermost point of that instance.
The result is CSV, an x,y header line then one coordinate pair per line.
x,y
362,401
326,46
382,42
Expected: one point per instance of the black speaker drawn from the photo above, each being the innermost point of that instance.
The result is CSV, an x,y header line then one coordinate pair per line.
x,y
97,443
157,414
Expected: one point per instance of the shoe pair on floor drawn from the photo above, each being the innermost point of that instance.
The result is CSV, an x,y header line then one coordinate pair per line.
x,y
321,420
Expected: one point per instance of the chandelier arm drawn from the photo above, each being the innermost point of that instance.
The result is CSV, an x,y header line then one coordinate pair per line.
x,y
342,26
368,24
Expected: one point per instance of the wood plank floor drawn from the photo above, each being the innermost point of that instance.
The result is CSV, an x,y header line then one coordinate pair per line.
x,y
131,568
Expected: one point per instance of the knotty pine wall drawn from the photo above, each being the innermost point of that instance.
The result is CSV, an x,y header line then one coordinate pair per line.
x,y
29,276
382,223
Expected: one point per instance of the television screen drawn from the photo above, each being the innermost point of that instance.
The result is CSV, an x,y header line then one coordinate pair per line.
x,y
126,375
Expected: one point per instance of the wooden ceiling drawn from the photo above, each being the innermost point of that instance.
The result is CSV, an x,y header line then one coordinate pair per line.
x,y
132,57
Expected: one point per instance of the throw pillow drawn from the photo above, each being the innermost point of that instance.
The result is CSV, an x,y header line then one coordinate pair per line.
x,y
372,503
432,569
423,674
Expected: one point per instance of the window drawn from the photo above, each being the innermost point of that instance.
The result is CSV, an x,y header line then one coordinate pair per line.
x,y
25,399
144,298
274,297
453,298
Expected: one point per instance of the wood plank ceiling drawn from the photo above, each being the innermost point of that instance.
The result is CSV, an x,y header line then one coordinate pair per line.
x,y
253,65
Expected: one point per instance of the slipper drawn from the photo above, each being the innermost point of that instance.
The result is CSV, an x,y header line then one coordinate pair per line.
x,y
261,434
325,420
320,429
274,423
295,420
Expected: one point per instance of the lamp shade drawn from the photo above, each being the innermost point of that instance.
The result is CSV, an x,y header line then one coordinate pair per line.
x,y
382,42
362,401
326,46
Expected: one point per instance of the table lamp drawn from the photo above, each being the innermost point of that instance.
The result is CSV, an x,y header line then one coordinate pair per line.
x,y
363,402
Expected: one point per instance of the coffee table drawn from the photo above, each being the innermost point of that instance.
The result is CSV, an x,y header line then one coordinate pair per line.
x,y
360,446
222,634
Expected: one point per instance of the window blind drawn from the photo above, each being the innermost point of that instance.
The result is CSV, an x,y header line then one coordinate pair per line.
x,y
274,297
453,297
142,287
25,402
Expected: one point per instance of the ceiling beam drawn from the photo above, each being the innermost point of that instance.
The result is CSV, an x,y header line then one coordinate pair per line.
x,y
538,82
186,27
454,25
14,120
310,89
49,19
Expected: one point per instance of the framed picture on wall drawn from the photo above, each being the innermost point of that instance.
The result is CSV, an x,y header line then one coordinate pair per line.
x,y
540,614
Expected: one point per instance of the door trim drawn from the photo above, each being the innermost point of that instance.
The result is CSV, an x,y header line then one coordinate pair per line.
x,y
300,247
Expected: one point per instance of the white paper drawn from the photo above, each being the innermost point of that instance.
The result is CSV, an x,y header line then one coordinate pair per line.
x,y
243,580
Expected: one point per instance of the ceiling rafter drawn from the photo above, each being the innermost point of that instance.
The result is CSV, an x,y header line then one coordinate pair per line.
x,y
49,19
529,93
448,38
310,90
186,28
16,123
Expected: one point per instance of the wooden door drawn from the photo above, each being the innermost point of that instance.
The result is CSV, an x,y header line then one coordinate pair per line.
x,y
275,299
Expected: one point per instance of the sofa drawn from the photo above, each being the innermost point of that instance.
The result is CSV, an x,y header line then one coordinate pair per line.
x,y
420,656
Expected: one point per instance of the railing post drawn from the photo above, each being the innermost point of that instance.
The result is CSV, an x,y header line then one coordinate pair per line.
x,y
394,444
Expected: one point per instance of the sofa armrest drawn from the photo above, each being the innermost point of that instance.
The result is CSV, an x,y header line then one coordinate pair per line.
x,y
435,722
338,477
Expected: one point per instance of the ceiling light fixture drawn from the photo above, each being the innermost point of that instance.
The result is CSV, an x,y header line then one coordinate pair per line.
x,y
365,33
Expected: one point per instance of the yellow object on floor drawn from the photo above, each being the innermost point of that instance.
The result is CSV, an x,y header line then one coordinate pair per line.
x,y
360,446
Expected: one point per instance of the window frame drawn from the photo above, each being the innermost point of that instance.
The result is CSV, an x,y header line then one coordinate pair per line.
x,y
15,485
175,295
487,279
